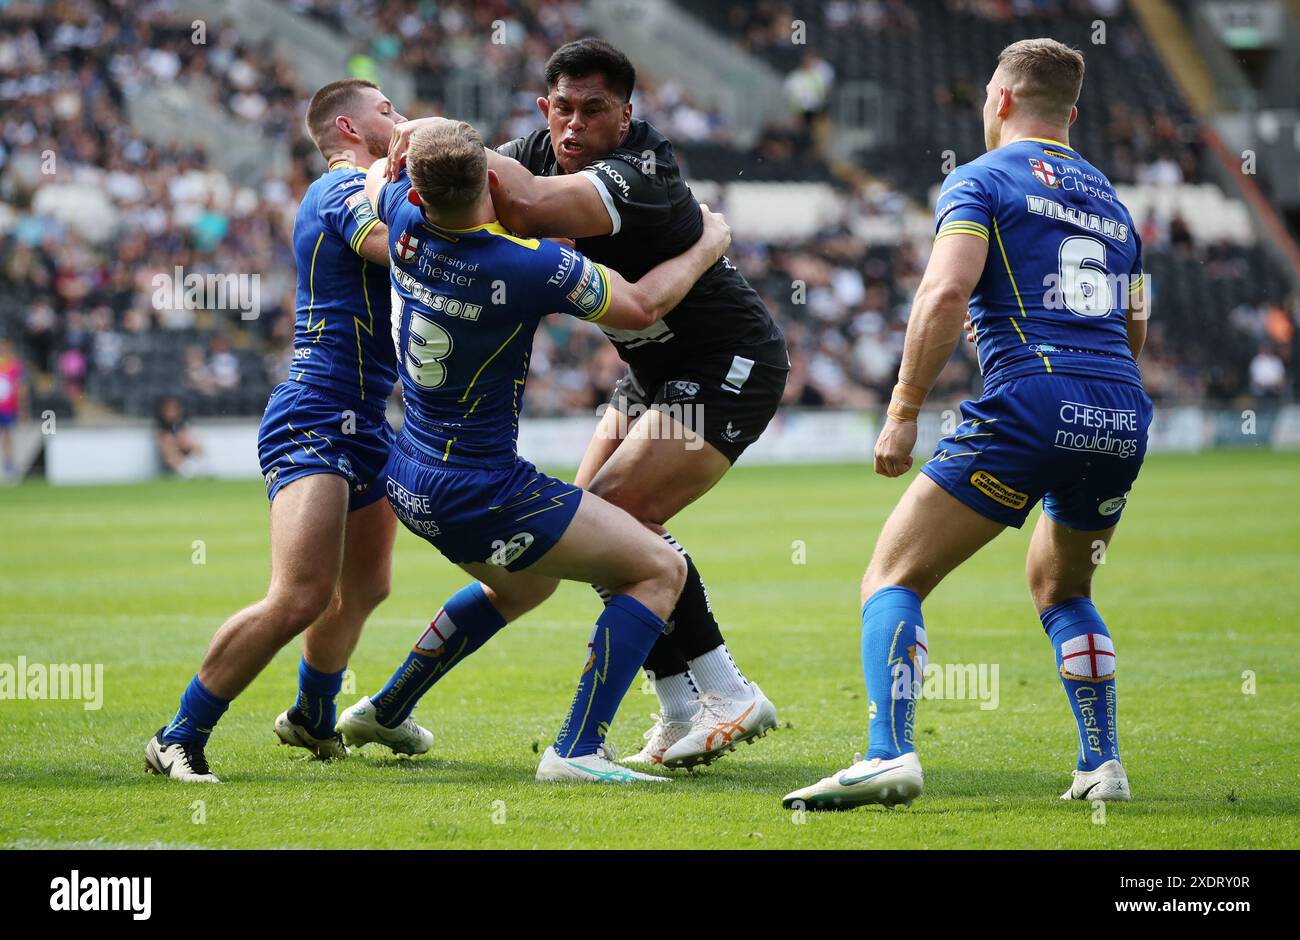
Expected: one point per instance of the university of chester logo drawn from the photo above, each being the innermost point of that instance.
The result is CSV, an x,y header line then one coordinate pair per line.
x,y
1044,173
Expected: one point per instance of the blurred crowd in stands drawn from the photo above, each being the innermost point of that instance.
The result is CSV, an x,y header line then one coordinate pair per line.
x,y
91,212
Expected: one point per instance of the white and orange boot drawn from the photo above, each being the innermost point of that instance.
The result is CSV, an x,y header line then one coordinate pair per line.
x,y
720,723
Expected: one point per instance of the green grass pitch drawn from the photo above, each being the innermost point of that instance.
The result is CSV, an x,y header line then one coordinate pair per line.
x,y
1199,588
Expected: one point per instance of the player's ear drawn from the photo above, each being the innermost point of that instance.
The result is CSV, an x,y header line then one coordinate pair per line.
x,y
544,105
494,181
344,124
1074,115
1004,102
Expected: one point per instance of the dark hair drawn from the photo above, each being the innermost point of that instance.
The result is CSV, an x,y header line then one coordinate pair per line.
x,y
328,103
591,56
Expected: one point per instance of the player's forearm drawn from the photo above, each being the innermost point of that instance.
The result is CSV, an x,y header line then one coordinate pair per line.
x,y
933,331
516,194
1137,336
664,286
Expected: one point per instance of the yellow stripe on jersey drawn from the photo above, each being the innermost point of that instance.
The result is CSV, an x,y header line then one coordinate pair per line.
x,y
358,326
1019,302
1137,283
962,227
360,235
464,398
311,289
608,295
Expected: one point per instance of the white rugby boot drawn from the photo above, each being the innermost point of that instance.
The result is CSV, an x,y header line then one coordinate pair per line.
x,y
359,727
296,734
888,782
592,768
1108,782
662,735
183,760
720,723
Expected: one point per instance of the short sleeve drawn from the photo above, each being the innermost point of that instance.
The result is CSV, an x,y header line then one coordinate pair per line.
x,y
570,282
634,195
347,212
965,204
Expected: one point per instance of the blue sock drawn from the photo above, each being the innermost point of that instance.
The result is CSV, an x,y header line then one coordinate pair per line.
x,y
466,622
893,663
197,716
316,693
624,633
1085,659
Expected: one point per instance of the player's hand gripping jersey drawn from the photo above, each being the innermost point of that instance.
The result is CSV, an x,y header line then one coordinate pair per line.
x,y
719,354
1063,413
466,304
329,416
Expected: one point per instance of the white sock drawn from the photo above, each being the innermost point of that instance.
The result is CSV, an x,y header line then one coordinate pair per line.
x,y
716,671
677,695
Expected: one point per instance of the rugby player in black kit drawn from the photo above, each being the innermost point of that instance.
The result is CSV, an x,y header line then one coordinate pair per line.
x,y
701,384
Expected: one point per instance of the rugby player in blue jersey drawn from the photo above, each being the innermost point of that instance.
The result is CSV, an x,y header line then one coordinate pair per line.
x,y
1032,238
322,446
467,298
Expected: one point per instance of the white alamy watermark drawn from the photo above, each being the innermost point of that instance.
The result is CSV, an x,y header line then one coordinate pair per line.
x,y
212,291
82,682
953,681
686,423
103,893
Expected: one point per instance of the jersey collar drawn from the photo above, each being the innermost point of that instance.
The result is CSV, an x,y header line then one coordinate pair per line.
x,y
1045,140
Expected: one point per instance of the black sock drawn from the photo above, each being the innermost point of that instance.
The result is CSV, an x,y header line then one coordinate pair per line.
x,y
694,629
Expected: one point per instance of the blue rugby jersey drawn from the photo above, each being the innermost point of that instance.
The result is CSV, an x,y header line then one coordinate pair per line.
x,y
341,340
466,304
1064,258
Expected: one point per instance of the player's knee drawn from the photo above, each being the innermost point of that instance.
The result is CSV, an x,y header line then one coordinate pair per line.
x,y
293,609
670,569
1049,588
365,597
629,497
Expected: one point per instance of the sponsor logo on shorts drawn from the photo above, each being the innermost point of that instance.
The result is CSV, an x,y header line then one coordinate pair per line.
x,y
407,504
1113,505
504,553
345,467
271,476
998,491
680,389
1092,429
731,433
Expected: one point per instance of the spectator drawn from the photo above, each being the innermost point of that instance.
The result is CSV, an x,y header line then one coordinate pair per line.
x,y
11,385
178,448
1267,373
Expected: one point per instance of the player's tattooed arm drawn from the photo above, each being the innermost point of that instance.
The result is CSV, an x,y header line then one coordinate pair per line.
x,y
640,304
933,331
545,206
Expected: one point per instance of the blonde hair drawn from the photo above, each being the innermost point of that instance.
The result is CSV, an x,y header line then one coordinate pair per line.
x,y
447,165
1047,74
